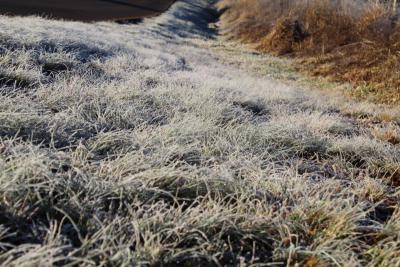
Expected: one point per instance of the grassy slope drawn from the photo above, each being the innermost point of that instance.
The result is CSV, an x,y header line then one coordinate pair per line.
x,y
156,145
356,41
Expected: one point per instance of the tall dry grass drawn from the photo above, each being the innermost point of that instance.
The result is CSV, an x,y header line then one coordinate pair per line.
x,y
354,41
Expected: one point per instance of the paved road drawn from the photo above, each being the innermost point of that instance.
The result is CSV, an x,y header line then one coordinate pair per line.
x,y
86,10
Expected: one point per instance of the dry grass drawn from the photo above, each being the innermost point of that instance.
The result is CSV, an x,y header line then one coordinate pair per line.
x,y
345,40
136,145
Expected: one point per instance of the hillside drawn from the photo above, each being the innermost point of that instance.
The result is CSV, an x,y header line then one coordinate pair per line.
x,y
161,144
355,41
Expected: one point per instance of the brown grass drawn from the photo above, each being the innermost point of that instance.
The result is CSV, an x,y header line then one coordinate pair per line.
x,y
344,40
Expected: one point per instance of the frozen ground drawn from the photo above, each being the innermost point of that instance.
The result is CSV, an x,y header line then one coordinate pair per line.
x,y
161,145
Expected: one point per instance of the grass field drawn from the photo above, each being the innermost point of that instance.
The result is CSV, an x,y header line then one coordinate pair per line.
x,y
160,144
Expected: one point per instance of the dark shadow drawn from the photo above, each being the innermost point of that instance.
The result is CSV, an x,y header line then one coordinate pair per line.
x,y
200,16
119,2
129,21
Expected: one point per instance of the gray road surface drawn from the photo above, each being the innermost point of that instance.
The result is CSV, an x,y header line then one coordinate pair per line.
x,y
86,10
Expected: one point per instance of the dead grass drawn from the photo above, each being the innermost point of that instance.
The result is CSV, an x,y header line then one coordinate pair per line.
x,y
353,41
